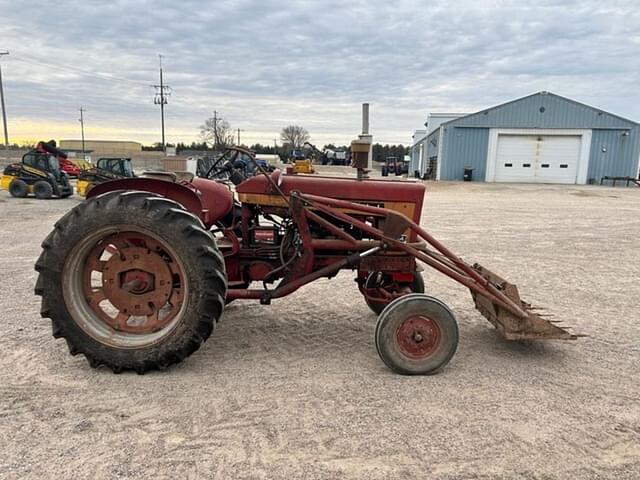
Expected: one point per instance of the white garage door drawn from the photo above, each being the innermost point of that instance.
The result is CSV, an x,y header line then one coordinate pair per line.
x,y
538,159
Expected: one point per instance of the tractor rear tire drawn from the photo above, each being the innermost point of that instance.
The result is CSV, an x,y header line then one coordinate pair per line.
x,y
417,286
96,245
42,190
416,335
18,188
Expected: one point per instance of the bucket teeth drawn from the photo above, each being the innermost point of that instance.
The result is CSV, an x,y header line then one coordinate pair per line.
x,y
533,325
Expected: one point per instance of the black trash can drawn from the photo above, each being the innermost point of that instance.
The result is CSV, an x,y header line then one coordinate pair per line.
x,y
468,174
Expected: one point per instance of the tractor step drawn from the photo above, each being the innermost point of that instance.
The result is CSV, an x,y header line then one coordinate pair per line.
x,y
530,326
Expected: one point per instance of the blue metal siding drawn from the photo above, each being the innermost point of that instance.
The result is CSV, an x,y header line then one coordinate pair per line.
x,y
620,158
465,140
415,158
432,144
464,147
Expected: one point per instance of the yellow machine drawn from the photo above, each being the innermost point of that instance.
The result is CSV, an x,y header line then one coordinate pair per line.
x,y
106,169
82,163
82,187
303,166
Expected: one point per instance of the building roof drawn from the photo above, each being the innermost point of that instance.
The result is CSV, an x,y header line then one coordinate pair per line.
x,y
452,114
541,94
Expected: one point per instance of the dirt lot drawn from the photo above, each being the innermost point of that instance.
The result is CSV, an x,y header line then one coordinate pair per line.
x,y
296,390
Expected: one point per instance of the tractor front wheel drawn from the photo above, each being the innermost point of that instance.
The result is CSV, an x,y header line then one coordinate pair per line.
x,y
132,281
416,335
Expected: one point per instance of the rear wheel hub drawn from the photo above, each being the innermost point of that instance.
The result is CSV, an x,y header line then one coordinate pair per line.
x,y
136,280
132,283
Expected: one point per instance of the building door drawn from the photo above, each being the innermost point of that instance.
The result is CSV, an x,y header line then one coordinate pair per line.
x,y
538,158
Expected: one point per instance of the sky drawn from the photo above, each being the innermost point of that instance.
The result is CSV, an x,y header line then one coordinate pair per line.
x,y
266,64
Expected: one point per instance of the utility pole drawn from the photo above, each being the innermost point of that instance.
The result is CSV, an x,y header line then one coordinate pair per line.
x,y
4,111
162,92
215,130
239,130
275,146
82,110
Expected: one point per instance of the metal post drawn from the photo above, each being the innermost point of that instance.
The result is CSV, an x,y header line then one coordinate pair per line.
x,y
162,92
162,102
4,111
365,119
82,110
365,136
215,130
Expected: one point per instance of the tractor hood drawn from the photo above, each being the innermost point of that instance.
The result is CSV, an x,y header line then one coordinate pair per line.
x,y
388,193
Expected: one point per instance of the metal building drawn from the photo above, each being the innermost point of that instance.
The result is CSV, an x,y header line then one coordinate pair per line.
x,y
541,138
421,160
103,148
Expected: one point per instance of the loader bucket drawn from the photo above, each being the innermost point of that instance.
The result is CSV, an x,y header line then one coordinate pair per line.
x,y
512,327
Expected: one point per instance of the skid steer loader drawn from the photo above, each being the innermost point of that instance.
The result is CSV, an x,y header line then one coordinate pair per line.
x,y
106,169
39,174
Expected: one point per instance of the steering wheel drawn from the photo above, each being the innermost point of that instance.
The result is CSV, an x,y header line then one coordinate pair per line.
x,y
233,158
221,167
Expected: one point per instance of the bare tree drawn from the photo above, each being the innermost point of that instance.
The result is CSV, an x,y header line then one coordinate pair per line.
x,y
294,135
217,132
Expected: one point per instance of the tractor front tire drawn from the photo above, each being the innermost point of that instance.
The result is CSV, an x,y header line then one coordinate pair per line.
x,y
18,188
42,190
132,281
416,335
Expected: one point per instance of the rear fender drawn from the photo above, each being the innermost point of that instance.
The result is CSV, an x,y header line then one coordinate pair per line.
x,y
182,194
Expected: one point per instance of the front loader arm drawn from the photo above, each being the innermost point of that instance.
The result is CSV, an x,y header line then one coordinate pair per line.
x,y
495,298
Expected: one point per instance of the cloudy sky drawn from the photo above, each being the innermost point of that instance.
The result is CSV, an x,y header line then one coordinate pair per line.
x,y
269,63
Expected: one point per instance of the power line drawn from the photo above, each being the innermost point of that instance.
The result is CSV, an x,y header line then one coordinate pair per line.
x,y
68,69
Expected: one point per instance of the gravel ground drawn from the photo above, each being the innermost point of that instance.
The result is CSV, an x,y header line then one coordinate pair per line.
x,y
296,390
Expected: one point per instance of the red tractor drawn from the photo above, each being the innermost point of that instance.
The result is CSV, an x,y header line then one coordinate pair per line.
x,y
137,276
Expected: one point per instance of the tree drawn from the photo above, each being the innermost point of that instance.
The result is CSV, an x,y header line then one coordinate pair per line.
x,y
381,152
217,132
294,135
156,147
265,149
